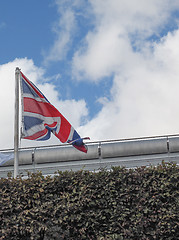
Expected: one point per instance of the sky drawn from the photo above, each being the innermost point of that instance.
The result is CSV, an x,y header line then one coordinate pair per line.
x,y
111,67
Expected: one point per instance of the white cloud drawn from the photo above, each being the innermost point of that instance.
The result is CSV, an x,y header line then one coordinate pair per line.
x,y
145,73
140,16
106,51
7,96
75,111
119,25
64,30
144,93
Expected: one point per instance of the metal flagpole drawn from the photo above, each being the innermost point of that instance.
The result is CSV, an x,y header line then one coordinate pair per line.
x,y
16,124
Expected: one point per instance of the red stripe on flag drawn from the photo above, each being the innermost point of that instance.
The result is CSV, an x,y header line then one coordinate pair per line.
x,y
65,129
42,108
53,125
48,110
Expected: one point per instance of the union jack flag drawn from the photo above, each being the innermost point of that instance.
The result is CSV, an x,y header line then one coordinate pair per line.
x,y
40,118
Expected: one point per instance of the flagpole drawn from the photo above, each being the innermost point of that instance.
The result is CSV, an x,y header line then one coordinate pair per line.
x,y
16,124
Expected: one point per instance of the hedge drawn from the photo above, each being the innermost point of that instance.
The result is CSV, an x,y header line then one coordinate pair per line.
x,y
141,203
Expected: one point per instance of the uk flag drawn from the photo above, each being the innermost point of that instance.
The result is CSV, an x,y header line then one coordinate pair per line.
x,y
40,118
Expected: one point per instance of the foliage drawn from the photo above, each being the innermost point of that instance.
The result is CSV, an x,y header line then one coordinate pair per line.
x,y
140,203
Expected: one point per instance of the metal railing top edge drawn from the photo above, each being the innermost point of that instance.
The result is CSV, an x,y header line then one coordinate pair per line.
x,y
98,141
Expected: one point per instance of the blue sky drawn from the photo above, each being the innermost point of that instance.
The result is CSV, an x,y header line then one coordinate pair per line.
x,y
27,31
21,23
110,66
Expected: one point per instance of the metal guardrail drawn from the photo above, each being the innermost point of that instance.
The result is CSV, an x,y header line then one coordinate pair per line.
x,y
101,154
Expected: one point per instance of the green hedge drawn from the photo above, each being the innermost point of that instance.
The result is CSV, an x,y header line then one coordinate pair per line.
x,y
140,203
